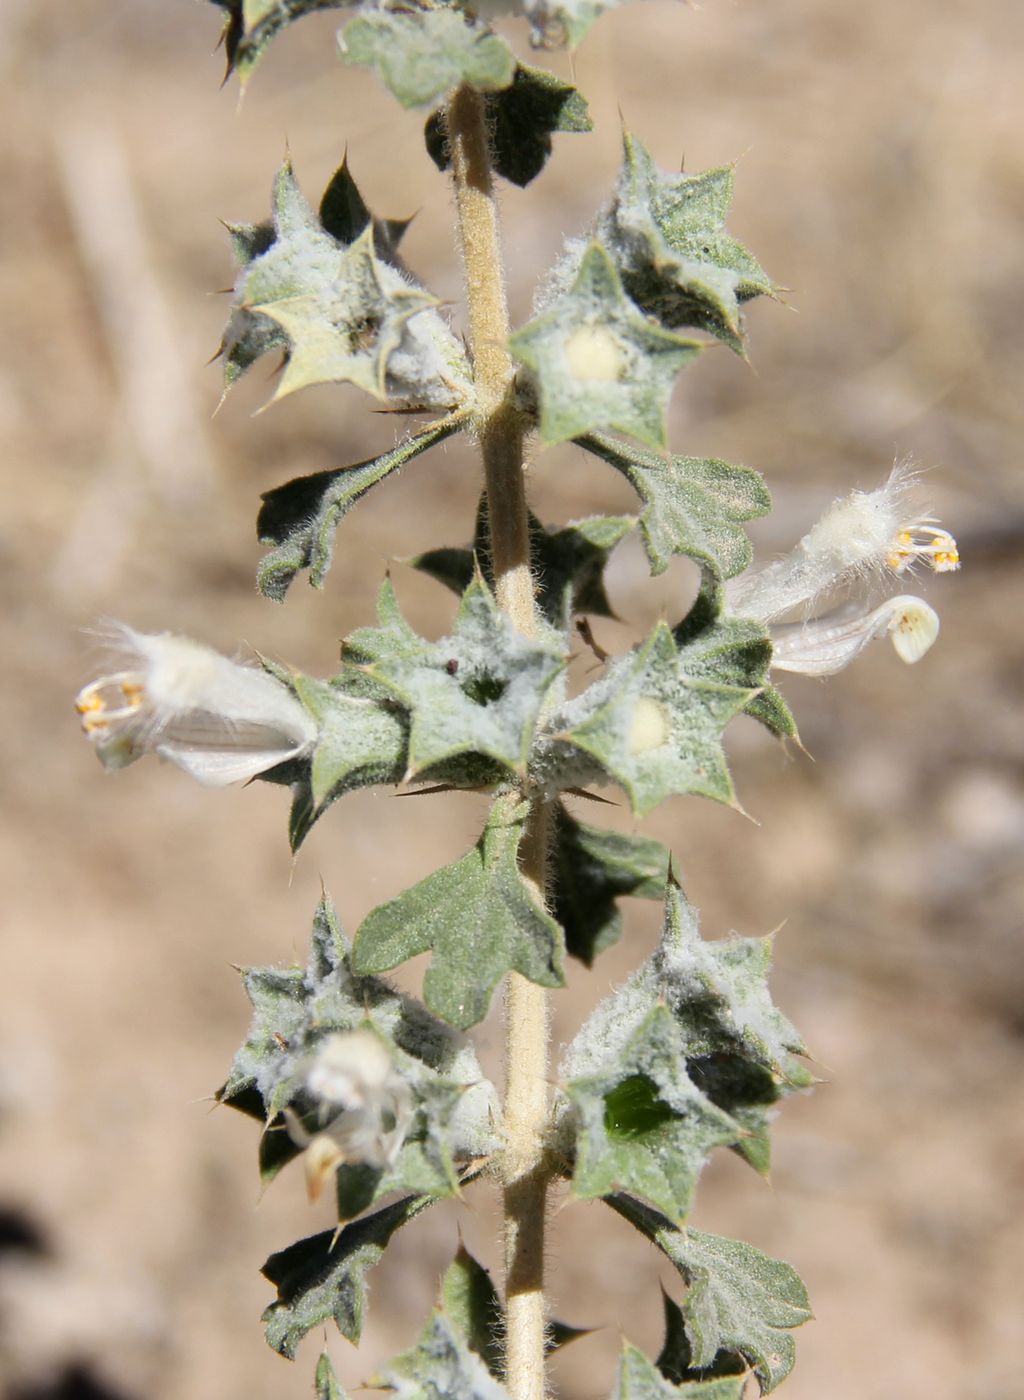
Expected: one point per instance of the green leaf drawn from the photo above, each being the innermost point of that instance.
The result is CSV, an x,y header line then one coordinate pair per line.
x,y
646,725
327,1387
441,1366
675,1361
360,741
591,869
480,918
421,55
323,1276
520,120
301,516
740,1051
692,505
568,563
472,1306
667,234
251,24
598,362
477,691
716,646
643,1125
640,1379
319,289
294,1009
739,1300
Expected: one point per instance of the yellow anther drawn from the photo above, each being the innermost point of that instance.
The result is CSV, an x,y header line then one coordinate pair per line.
x,y
936,548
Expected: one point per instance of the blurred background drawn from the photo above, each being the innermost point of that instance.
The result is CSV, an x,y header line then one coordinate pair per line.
x,y
881,180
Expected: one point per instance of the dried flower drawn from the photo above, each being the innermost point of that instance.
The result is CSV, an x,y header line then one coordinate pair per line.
x,y
220,720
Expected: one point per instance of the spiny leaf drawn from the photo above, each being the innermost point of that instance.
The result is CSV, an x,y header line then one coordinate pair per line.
x,y
472,1306
328,291
640,1379
421,55
323,1276
739,1300
327,1386
667,235
480,918
294,1009
441,1366
251,24
646,725
643,1125
692,505
301,516
597,362
475,692
714,645
521,120
591,869
675,1361
567,563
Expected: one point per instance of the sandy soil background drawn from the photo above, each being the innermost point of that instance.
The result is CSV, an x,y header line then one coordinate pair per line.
x,y
882,180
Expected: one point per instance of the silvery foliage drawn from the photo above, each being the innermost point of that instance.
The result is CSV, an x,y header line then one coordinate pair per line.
x,y
381,1095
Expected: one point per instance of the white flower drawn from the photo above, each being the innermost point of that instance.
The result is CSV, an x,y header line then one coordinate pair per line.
x,y
220,720
354,1072
824,645
866,532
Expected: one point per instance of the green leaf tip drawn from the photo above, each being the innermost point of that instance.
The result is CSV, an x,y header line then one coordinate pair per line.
x,y
423,54
740,1301
250,25
521,119
641,1379
598,362
326,1386
480,918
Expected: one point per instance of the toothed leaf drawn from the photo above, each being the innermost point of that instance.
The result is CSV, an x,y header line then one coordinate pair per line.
x,y
323,1277
597,362
675,1360
640,1379
692,506
591,869
301,517
326,1382
521,120
421,55
480,918
475,692
642,1125
738,1301
251,24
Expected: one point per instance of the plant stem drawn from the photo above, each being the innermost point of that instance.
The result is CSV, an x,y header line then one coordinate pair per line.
x,y
501,431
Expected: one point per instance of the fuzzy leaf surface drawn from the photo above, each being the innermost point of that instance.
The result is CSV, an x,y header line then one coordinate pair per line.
x,y
327,291
597,362
557,22
675,1360
480,918
640,1379
300,518
250,25
567,563
326,1383
693,506
592,868
441,1366
294,1009
317,1281
475,692
739,1300
643,1126
646,725
676,260
740,1050
521,120
421,55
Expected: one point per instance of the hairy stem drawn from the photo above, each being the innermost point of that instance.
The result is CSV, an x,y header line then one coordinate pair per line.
x,y
501,433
